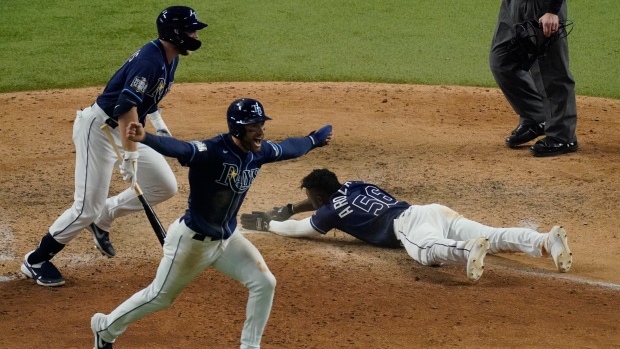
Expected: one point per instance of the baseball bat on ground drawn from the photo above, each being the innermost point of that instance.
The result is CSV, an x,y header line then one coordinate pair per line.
x,y
160,232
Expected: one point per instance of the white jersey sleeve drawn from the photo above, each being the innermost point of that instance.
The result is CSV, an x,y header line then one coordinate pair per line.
x,y
293,228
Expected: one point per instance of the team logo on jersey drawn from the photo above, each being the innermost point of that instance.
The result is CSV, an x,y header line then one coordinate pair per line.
x,y
238,181
159,90
139,84
199,145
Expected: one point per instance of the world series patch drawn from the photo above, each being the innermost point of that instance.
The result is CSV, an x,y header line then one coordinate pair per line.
x,y
139,84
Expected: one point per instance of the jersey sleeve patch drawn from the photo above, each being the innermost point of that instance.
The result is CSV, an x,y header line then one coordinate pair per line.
x,y
139,84
200,146
276,148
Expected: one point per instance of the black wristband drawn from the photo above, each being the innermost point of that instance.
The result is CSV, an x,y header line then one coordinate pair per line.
x,y
290,209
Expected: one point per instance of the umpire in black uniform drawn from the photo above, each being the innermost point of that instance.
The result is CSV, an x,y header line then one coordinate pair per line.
x,y
544,96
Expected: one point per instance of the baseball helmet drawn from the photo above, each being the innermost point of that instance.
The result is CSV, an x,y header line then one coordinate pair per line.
x,y
244,111
173,24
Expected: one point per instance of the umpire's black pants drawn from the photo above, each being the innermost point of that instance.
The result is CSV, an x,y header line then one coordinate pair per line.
x,y
547,92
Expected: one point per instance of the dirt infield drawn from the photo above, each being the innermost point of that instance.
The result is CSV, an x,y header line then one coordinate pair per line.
x,y
424,144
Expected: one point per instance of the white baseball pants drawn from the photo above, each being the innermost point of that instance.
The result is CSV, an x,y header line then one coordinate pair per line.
x,y
185,258
435,234
94,164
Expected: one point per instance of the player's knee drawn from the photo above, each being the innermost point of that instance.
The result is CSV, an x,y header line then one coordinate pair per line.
x,y
265,283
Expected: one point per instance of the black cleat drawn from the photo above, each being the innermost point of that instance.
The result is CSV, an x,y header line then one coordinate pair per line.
x,y
45,273
523,134
102,240
550,146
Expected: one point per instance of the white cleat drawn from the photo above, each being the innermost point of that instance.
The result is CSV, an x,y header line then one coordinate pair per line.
x,y
478,249
557,245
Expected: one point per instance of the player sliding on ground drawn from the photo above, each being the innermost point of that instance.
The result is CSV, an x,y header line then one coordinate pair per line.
x,y
431,234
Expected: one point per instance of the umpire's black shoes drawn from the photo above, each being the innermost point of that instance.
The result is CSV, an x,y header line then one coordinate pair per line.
x,y
550,146
45,273
102,240
525,133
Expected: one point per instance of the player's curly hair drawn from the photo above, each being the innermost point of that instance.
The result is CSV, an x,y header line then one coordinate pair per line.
x,y
321,180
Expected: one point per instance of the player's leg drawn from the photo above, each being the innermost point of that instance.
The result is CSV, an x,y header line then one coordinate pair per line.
x,y
423,230
422,234
243,262
93,170
156,179
500,239
184,258
536,244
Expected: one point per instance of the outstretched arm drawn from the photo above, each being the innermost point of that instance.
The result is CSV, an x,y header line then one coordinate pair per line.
x,y
291,148
167,146
291,228
282,213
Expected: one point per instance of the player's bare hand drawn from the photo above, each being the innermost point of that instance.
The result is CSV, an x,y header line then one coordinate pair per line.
x,y
550,24
135,132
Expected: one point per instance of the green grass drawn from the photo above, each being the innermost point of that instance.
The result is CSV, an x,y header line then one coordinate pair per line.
x,y
74,43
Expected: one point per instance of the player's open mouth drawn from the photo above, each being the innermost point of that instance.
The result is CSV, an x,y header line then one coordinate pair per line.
x,y
258,141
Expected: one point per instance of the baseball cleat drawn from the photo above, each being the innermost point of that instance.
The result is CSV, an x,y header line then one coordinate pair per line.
x,y
102,240
475,260
45,273
557,245
99,343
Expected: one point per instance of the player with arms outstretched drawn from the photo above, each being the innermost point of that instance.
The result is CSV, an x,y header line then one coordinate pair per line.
x,y
221,171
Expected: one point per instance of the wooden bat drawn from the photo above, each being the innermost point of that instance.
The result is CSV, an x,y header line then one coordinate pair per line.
x,y
160,232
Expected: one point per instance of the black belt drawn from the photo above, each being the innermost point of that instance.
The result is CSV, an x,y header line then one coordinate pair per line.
x,y
202,237
111,122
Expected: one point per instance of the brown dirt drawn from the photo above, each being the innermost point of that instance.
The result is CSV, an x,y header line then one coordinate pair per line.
x,y
424,144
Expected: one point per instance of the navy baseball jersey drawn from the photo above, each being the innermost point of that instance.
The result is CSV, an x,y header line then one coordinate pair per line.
x,y
362,210
220,175
146,76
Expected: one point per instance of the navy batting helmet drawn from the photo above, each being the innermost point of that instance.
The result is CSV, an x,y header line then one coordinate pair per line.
x,y
173,24
244,111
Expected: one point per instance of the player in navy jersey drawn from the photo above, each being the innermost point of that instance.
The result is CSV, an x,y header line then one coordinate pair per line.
x,y
221,171
132,94
431,234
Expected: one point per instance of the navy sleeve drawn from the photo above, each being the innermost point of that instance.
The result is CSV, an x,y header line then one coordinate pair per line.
x,y
289,148
140,77
185,152
323,219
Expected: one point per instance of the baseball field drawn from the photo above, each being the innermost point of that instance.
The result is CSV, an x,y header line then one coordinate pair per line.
x,y
415,110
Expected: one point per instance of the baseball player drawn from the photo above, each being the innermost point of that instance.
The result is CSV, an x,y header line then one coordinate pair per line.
x,y
544,96
431,234
221,171
131,95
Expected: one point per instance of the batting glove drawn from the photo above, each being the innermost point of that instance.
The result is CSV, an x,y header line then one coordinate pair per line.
x,y
159,124
255,221
281,213
129,167
319,138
